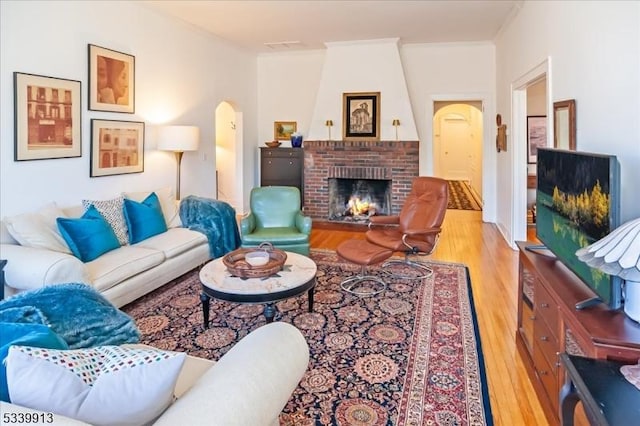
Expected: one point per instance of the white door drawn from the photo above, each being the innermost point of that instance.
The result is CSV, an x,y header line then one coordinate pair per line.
x,y
455,149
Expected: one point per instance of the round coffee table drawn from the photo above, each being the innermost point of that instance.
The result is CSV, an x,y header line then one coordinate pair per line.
x,y
297,276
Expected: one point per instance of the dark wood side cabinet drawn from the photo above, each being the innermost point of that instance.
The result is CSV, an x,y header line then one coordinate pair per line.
x,y
549,325
282,167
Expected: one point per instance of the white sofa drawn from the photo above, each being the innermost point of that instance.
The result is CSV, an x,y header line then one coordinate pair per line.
x,y
121,275
249,385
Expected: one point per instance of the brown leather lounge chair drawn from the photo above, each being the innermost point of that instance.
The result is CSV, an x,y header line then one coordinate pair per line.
x,y
417,229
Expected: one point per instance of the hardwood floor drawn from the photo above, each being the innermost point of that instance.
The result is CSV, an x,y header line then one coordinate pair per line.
x,y
493,267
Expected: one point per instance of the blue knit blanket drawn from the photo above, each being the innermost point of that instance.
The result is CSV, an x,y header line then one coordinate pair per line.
x,y
76,312
215,219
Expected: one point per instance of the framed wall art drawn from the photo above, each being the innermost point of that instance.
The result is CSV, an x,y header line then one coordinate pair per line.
x,y
117,147
47,117
564,124
536,136
282,130
361,116
111,80
501,134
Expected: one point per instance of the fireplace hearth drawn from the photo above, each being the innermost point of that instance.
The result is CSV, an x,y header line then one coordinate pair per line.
x,y
356,200
393,162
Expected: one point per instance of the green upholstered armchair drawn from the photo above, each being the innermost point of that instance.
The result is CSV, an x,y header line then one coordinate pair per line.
x,y
276,217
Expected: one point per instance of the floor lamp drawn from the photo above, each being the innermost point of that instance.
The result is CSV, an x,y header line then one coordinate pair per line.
x,y
178,139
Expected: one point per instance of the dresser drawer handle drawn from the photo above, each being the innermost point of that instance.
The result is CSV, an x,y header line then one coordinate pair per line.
x,y
290,154
544,338
543,372
269,161
544,305
290,162
532,317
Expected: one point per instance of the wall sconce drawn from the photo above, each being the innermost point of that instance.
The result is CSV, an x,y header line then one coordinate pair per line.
x,y
178,139
395,124
329,123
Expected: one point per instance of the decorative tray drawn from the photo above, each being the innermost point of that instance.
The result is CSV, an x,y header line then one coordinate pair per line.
x,y
239,267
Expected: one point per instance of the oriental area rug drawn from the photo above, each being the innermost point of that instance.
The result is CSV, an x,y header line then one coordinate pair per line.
x,y
410,355
460,196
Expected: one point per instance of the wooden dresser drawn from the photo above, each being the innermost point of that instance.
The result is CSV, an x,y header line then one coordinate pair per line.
x,y
282,167
549,324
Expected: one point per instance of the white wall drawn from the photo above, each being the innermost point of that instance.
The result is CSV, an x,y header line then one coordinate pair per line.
x,y
287,88
363,66
181,76
289,85
594,48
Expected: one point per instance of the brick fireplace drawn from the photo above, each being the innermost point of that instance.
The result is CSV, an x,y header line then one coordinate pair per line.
x,y
397,161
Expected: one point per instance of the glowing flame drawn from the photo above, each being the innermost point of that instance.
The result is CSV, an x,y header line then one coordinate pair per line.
x,y
359,207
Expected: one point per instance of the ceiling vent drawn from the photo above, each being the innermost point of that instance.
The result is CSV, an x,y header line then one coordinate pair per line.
x,y
282,44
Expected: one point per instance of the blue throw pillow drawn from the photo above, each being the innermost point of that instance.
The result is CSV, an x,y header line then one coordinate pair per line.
x,y
36,335
88,237
144,219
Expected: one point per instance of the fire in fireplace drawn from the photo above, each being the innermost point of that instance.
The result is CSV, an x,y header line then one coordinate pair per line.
x,y
355,200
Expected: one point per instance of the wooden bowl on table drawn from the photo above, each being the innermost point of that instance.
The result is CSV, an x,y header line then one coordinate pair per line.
x,y
273,144
238,265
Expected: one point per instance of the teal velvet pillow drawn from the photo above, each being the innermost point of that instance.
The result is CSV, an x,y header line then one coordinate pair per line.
x,y
144,219
36,335
88,237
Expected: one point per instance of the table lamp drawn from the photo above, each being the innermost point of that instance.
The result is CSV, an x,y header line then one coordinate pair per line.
x,y
329,123
396,123
618,254
178,139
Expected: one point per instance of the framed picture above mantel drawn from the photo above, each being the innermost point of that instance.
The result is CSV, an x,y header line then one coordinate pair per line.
x,y
361,116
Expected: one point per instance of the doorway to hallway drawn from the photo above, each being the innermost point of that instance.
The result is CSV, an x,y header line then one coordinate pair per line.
x,y
458,143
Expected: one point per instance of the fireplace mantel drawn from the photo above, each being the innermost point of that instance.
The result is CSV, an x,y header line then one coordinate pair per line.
x,y
395,160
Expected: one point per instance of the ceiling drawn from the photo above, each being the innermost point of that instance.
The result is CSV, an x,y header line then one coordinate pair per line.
x,y
269,26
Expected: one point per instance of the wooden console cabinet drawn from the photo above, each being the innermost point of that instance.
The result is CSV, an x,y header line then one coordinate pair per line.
x,y
549,324
282,167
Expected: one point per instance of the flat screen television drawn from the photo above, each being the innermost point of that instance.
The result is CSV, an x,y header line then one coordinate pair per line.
x,y
578,203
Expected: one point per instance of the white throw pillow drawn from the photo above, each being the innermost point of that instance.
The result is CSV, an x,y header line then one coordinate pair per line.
x,y
168,204
105,385
112,210
38,229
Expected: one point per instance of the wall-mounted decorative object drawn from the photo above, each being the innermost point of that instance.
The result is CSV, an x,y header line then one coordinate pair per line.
x,y
47,114
501,135
282,130
361,116
111,80
536,135
117,147
564,124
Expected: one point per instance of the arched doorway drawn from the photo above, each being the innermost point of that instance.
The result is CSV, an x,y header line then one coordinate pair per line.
x,y
457,142
229,156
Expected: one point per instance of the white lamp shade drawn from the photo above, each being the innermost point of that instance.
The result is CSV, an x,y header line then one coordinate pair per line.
x,y
618,253
178,138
